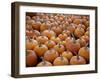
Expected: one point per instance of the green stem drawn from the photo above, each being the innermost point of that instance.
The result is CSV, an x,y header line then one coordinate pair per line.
x,y
59,45
61,57
74,40
30,39
44,62
86,44
77,56
73,36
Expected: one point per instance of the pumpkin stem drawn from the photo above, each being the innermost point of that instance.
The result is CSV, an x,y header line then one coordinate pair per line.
x,y
33,30
74,40
49,41
65,28
49,28
30,39
59,45
86,44
61,57
44,62
39,44
62,32
77,56
73,36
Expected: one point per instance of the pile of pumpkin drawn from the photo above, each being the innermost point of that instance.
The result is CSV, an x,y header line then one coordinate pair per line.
x,y
56,39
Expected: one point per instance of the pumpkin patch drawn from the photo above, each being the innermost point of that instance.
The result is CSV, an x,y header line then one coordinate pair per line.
x,y
54,39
